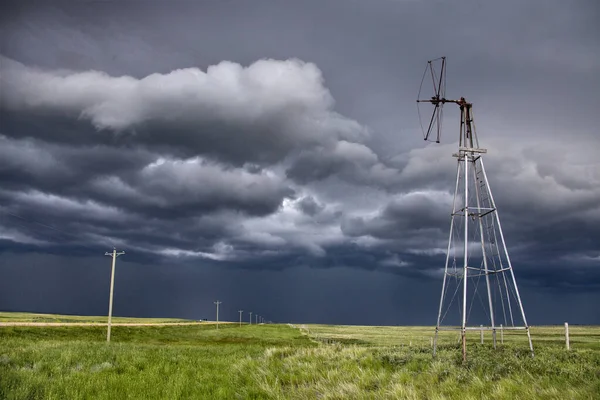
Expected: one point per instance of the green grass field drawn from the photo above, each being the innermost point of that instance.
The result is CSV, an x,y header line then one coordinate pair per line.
x,y
281,361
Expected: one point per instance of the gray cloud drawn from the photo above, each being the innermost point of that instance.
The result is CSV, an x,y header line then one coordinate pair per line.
x,y
273,106
402,216
353,162
309,206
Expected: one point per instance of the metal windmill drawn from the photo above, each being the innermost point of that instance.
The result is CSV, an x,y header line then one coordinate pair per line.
x,y
479,281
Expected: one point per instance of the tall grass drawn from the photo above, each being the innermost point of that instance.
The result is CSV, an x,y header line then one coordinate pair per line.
x,y
140,362
352,371
580,336
281,362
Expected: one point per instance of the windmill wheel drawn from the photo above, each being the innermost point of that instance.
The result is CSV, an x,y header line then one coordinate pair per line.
x,y
435,74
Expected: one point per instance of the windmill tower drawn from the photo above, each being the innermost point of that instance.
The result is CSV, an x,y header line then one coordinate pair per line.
x,y
479,289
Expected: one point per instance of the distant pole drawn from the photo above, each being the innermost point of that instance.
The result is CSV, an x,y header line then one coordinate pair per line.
x,y
250,317
217,303
240,311
501,334
114,256
567,335
481,327
256,318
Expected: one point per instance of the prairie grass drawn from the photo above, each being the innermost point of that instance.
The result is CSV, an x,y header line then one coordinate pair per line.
x,y
284,362
167,362
580,336
356,372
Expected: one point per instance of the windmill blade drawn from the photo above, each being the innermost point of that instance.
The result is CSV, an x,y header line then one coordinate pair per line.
x,y
438,83
441,84
433,122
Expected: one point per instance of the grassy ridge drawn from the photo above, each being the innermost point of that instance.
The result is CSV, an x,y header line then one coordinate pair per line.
x,y
33,317
280,362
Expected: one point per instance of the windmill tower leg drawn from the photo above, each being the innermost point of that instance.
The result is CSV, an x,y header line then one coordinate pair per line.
x,y
478,195
514,281
443,295
466,258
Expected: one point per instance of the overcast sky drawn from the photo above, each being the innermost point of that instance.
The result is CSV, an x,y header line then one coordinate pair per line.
x,y
269,154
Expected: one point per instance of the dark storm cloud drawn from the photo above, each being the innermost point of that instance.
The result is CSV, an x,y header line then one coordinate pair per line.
x,y
278,135
410,212
38,164
353,162
544,215
309,206
129,180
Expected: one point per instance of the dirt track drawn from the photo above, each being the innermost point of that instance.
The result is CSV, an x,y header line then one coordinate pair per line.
x,y
105,323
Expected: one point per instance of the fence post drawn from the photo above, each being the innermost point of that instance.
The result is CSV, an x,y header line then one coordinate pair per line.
x,y
501,334
481,326
567,335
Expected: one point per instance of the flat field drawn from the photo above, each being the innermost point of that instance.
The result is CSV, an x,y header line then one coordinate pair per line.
x,y
296,362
